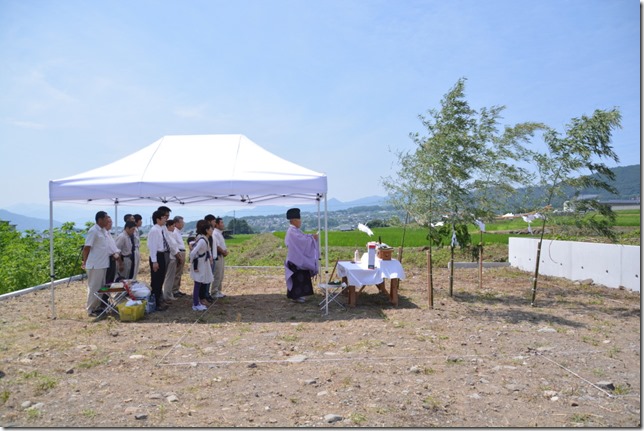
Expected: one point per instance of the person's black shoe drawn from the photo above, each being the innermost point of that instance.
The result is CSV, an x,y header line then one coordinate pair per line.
x,y
210,299
179,294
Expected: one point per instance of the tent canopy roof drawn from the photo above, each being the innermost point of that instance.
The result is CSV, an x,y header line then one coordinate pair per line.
x,y
230,169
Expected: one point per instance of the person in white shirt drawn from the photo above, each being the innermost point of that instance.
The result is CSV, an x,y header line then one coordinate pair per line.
x,y
115,255
222,252
138,219
213,252
95,261
168,283
127,244
181,257
159,257
201,265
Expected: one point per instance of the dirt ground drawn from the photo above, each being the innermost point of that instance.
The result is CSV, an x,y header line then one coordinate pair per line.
x,y
481,358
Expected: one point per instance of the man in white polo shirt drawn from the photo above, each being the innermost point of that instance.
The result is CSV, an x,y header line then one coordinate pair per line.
x,y
96,260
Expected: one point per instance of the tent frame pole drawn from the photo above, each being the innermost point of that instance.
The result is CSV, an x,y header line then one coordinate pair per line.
x,y
52,275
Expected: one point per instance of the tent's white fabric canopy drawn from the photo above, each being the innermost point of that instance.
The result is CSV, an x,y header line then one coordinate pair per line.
x,y
230,169
227,169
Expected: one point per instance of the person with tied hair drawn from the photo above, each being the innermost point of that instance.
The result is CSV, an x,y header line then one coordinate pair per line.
x,y
201,264
302,257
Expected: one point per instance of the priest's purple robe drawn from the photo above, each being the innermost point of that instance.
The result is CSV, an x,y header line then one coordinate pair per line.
x,y
303,252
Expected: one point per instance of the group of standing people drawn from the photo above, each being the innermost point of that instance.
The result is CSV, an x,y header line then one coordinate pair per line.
x,y
207,256
102,255
106,260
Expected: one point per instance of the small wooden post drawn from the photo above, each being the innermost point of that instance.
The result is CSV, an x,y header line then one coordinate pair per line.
x,y
400,252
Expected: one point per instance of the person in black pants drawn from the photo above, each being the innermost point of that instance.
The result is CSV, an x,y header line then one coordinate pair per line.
x,y
159,256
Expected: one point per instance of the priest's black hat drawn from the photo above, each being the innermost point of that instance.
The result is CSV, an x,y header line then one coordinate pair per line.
x,y
293,213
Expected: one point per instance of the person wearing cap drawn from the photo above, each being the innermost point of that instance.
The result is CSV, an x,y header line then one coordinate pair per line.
x,y
302,258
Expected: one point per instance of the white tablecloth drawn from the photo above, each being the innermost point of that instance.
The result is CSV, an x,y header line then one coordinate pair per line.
x,y
359,275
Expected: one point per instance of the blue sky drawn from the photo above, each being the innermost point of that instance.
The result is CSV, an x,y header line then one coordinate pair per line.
x,y
335,86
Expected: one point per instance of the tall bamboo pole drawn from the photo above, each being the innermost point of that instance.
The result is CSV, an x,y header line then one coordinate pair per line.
x,y
481,262
536,268
451,271
430,282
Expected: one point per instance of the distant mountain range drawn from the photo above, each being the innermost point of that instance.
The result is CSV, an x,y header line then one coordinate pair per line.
x,y
23,223
627,182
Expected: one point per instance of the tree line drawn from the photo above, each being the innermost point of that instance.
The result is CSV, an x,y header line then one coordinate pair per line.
x,y
24,258
465,167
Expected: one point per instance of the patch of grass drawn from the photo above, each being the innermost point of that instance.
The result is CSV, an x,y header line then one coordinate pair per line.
x,y
92,362
33,413
244,329
621,390
613,351
599,372
43,382
89,413
30,375
589,340
596,300
162,411
432,403
358,418
46,383
368,344
579,418
289,338
4,396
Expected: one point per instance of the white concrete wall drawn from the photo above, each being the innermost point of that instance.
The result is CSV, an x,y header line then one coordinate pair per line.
x,y
608,264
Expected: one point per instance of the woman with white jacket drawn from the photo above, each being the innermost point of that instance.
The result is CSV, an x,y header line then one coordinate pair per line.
x,y
201,263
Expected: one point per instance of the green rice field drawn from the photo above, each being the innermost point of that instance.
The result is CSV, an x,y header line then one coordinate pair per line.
x,y
417,237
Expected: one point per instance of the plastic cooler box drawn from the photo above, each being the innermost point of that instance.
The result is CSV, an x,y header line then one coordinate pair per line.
x,y
131,313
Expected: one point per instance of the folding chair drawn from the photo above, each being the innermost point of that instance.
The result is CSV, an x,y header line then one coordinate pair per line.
x,y
331,292
111,297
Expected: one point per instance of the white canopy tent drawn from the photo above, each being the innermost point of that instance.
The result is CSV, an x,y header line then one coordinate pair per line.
x,y
246,175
